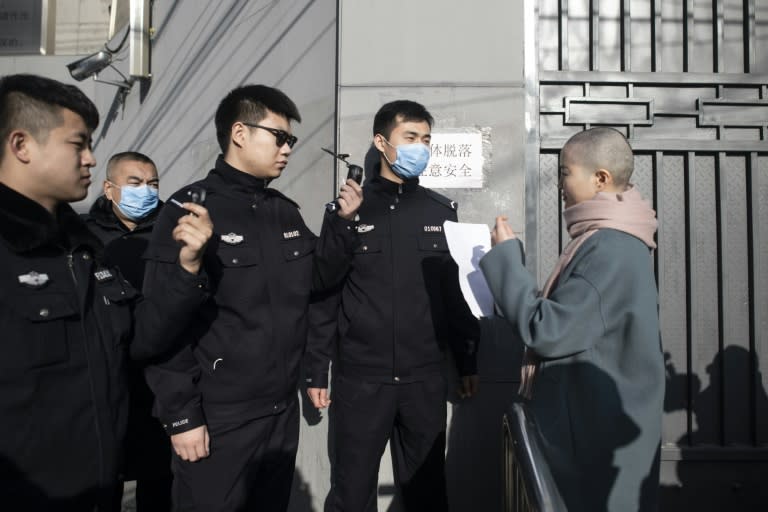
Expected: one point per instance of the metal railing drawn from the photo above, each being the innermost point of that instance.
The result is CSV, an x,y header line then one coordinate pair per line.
x,y
528,483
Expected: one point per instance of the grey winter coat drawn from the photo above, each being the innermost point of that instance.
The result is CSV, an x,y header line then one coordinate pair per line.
x,y
599,392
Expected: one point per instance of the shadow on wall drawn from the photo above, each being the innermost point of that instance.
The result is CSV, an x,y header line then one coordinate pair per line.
x,y
712,483
301,494
473,462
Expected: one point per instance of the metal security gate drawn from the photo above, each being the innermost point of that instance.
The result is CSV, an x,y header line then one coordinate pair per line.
x,y
687,82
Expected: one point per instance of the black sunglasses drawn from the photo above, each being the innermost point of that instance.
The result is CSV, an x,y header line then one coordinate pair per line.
x,y
281,137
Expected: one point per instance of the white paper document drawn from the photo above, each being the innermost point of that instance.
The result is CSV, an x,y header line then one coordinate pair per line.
x,y
468,243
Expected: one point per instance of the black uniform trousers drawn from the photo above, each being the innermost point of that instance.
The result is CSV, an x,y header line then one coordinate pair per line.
x,y
250,467
365,415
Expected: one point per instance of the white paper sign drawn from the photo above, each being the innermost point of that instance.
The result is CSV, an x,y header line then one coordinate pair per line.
x,y
456,161
468,243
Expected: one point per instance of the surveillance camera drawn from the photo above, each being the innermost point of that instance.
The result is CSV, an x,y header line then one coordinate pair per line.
x,y
90,65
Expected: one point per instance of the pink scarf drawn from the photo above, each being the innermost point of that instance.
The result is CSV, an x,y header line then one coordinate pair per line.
x,y
627,212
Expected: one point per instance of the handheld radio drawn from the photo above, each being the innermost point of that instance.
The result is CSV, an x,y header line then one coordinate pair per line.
x,y
354,172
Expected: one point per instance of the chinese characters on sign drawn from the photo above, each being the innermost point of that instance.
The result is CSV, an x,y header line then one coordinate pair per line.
x,y
456,161
20,27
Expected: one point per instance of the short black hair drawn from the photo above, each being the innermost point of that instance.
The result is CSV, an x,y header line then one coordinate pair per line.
x,y
34,103
250,103
133,156
397,111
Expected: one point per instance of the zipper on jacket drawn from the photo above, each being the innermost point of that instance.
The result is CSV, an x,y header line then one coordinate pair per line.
x,y
392,269
99,436
71,265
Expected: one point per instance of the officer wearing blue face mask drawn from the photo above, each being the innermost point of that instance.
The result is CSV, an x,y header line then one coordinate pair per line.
x,y
411,160
136,201
123,218
124,215
397,311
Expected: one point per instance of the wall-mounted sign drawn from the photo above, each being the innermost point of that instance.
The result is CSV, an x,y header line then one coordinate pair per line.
x,y
24,27
456,161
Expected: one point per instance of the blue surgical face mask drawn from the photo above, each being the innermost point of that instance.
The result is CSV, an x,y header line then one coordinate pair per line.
x,y
411,159
137,202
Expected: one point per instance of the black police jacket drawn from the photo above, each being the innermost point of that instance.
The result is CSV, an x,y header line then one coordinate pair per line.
x,y
147,451
67,325
400,304
247,341
123,247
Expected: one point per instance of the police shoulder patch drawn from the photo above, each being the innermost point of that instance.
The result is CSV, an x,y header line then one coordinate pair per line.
x,y
448,203
276,193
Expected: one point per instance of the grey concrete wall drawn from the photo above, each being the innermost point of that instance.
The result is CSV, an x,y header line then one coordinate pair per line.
x,y
464,62
51,66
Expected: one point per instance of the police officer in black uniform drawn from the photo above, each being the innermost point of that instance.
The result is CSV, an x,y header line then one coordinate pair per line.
x,y
229,400
124,215
68,320
399,305
123,218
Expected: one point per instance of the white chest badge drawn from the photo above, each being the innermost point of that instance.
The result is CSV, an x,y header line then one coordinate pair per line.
x,y
34,279
365,228
103,275
232,238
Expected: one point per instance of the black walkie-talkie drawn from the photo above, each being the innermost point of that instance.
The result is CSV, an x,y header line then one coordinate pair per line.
x,y
354,172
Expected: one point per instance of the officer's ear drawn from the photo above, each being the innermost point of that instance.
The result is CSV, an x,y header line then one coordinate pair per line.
x,y
238,134
20,145
378,142
107,188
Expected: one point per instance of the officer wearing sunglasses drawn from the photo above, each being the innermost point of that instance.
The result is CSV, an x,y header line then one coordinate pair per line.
x,y
281,137
228,400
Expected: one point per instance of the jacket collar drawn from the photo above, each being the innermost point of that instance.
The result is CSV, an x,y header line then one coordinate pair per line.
x,y
239,180
25,225
390,187
101,213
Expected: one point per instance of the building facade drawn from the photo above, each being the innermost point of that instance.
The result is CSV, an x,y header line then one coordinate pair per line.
x,y
687,82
